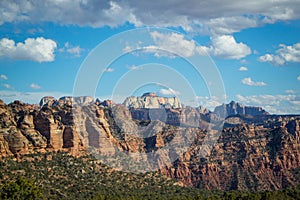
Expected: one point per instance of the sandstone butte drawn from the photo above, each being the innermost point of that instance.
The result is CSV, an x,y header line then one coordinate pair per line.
x,y
254,151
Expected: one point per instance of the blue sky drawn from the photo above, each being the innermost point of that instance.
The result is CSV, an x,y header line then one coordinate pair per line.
x,y
245,51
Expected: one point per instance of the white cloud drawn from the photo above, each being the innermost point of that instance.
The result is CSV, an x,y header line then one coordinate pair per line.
x,y
298,78
274,59
74,50
242,68
3,77
174,44
167,44
83,13
228,25
168,91
34,86
283,55
35,49
277,104
127,49
7,86
225,46
222,19
109,70
209,102
250,82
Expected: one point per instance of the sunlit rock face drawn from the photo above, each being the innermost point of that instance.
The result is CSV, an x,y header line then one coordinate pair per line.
x,y
150,100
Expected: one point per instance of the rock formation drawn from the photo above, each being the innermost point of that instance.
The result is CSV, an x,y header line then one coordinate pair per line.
x,y
245,157
47,99
234,108
253,151
150,100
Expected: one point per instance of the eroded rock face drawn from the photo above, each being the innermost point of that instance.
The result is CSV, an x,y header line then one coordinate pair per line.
x,y
4,147
81,100
150,100
245,157
186,116
257,153
28,128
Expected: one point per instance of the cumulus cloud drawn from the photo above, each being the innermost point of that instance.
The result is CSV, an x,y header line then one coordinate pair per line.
x,y
277,104
34,86
91,13
174,44
168,45
242,68
225,46
298,78
228,25
222,19
283,55
250,82
74,50
274,59
195,17
3,77
168,92
35,49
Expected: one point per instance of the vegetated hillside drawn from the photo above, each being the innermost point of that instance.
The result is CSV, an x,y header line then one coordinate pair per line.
x,y
253,153
62,176
58,175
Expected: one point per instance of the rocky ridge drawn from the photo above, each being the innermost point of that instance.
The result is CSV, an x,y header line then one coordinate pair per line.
x,y
258,152
234,108
151,101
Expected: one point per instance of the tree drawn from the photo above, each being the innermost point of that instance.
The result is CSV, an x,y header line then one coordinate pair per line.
x,y
21,189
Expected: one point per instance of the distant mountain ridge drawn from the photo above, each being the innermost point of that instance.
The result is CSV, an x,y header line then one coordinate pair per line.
x,y
152,101
234,108
149,106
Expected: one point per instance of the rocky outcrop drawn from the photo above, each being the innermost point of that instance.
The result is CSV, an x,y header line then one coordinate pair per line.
x,y
186,117
234,108
245,157
259,152
47,100
81,100
28,128
106,103
4,147
151,101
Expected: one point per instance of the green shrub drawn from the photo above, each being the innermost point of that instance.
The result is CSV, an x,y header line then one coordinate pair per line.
x,y
21,189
